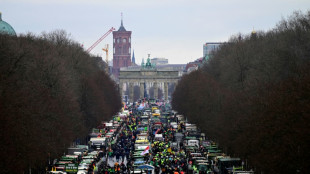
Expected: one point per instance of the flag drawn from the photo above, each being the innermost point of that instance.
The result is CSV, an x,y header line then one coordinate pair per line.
x,y
157,131
146,150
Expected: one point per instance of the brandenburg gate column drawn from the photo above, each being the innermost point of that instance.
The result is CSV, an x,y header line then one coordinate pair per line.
x,y
155,90
166,90
175,85
141,90
131,92
120,86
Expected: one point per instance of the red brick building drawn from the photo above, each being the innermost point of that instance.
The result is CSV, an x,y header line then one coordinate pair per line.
x,y
121,49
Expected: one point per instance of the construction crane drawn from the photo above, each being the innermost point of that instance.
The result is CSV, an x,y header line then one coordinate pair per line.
x,y
106,49
99,40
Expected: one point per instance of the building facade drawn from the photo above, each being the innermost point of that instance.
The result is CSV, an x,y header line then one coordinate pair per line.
x,y
145,77
121,49
209,48
159,61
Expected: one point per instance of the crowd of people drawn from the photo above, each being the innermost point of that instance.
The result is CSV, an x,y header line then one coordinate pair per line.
x,y
164,157
148,139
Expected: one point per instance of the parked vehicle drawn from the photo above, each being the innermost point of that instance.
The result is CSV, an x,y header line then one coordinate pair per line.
x,y
158,137
178,137
98,142
193,143
174,125
226,165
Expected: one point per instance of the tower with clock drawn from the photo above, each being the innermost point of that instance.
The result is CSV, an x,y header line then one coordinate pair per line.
x,y
121,49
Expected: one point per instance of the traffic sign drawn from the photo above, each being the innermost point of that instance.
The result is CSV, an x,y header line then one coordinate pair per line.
x,y
71,168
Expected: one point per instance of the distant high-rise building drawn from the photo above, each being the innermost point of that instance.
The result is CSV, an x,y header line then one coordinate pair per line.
x,y
121,49
209,48
159,61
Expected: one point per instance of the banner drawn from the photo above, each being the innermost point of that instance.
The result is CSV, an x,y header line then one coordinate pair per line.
x,y
146,150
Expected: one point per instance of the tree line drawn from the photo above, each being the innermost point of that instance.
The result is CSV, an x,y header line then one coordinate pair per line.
x,y
52,92
252,97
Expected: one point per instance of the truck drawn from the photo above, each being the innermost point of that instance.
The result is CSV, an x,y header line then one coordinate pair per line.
x,y
226,165
98,142
191,141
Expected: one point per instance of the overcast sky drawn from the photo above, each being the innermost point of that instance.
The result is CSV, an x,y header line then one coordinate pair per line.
x,y
173,29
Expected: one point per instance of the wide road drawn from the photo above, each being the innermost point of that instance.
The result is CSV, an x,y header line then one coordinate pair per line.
x,y
149,137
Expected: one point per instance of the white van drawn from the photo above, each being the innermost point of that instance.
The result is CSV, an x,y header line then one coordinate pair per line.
x,y
193,143
159,137
174,125
98,141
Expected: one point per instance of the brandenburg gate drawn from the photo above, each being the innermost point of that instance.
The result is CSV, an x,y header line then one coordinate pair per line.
x,y
146,77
